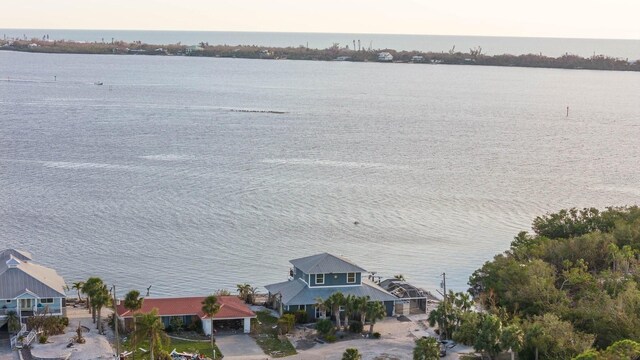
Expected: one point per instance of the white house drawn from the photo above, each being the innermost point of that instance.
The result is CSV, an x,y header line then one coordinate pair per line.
x,y
385,56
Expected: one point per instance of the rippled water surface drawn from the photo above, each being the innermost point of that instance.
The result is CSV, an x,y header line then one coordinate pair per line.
x,y
155,178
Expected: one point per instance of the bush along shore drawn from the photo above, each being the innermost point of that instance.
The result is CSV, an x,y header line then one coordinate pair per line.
x,y
474,56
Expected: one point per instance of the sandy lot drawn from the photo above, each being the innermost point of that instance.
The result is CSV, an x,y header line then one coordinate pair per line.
x,y
96,346
397,342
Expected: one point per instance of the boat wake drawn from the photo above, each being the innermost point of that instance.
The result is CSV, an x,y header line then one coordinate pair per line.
x,y
329,163
258,111
168,157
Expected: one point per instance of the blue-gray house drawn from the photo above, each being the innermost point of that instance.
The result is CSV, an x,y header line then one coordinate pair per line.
x,y
319,276
27,288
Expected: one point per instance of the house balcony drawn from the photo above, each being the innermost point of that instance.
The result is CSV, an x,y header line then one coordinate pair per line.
x,y
4,312
41,311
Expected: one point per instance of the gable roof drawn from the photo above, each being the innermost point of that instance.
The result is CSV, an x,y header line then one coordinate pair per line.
x,y
18,254
24,276
325,263
231,307
296,292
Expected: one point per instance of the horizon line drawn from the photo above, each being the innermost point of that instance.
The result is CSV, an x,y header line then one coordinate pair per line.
x,y
328,33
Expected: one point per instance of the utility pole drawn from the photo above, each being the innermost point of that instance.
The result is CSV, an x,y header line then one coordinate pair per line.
x,y
115,319
444,289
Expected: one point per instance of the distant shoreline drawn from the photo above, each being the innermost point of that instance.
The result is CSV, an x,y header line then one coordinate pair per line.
x,y
474,56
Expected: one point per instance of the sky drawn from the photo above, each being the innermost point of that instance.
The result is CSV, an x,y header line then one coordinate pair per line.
x,y
606,19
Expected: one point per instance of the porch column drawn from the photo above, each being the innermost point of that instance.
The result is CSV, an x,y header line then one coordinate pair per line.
x,y
247,325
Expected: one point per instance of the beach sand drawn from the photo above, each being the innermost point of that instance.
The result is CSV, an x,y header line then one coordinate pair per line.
x,y
96,346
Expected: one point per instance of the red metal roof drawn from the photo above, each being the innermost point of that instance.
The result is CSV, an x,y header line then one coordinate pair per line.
x,y
231,307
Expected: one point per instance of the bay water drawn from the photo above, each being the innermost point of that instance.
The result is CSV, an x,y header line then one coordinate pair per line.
x,y
195,174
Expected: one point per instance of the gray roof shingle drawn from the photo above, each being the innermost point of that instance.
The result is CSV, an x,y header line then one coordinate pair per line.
x,y
26,276
296,292
18,254
325,263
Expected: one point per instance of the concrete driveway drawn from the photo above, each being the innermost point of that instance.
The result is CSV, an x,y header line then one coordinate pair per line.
x,y
241,345
7,354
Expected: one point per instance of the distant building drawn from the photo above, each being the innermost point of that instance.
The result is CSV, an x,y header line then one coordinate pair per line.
x,y
28,288
385,57
417,58
193,48
318,277
343,58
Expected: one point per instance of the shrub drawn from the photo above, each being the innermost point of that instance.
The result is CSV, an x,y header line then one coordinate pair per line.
x,y
356,327
50,325
163,355
42,339
79,338
301,317
196,325
330,338
65,321
351,354
176,323
376,335
111,321
324,326
286,323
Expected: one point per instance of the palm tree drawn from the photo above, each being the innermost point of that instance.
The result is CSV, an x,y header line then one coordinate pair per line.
x,y
349,309
360,306
90,287
322,306
375,311
399,277
78,286
243,291
252,294
210,307
133,302
149,326
100,299
13,322
334,302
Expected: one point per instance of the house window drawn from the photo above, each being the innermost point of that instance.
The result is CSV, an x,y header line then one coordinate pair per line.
x,y
351,278
302,307
46,301
26,303
319,279
320,314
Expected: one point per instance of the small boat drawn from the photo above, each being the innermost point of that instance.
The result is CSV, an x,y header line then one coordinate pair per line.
x,y
98,83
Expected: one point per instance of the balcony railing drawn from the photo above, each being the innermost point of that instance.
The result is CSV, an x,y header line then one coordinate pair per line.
x,y
33,311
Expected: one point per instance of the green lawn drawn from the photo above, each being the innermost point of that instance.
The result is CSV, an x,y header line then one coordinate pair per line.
x,y
267,336
200,347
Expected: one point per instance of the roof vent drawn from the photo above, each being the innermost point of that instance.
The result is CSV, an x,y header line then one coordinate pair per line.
x,y
13,262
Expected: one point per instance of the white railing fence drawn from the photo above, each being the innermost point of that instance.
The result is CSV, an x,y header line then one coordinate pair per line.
x,y
14,339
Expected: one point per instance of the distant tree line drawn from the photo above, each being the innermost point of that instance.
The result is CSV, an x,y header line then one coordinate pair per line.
x,y
473,57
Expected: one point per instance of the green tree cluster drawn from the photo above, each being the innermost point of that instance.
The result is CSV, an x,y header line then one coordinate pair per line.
x,y
569,288
354,307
